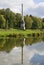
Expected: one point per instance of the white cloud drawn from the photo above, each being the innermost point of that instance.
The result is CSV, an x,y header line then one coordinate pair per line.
x,y
29,6
37,10
16,4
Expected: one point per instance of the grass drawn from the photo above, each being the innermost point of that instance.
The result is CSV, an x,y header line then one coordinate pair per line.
x,y
17,31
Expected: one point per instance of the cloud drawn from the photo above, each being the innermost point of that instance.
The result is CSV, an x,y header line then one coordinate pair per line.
x,y
30,7
37,60
37,10
15,3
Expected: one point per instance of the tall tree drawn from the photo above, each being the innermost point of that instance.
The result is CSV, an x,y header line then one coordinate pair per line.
x,y
18,19
2,21
37,23
10,18
28,21
43,23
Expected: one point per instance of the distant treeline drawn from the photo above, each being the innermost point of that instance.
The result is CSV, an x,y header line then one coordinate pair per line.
x,y
9,19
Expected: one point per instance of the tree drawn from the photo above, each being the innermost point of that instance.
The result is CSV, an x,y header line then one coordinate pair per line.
x,y
37,23
28,21
2,21
18,19
10,18
43,23
7,14
2,11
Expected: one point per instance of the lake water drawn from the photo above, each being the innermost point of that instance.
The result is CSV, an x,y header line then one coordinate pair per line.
x,y
17,51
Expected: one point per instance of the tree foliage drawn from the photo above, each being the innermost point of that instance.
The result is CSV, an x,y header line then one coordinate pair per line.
x,y
9,19
2,21
37,23
43,23
28,21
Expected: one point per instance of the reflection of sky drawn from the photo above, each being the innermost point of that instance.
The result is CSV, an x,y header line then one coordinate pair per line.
x,y
13,57
37,59
31,54
37,54
39,48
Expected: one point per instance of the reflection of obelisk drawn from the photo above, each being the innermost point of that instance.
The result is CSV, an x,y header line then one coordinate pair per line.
x,y
22,22
23,43
22,55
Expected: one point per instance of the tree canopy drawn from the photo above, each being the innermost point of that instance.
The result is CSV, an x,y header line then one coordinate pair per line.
x,y
9,19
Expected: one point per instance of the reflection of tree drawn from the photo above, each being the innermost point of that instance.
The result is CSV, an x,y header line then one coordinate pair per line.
x,y
43,38
32,40
2,42
7,44
29,41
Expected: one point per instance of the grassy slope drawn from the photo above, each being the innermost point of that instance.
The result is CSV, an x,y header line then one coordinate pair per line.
x,y
17,31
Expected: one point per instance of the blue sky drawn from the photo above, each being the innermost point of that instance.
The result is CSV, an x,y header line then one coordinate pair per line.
x,y
38,1
33,7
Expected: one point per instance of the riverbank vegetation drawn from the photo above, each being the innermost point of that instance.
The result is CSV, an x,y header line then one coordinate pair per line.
x,y
9,19
10,24
21,33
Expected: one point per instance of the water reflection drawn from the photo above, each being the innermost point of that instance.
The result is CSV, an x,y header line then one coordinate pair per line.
x,y
37,59
8,43
14,50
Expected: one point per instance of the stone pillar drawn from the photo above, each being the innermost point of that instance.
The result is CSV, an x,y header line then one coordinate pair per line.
x,y
23,22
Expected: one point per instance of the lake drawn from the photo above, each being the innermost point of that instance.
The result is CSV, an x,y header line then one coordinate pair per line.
x,y
17,51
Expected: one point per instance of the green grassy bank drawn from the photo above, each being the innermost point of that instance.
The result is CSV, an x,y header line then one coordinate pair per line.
x,y
17,32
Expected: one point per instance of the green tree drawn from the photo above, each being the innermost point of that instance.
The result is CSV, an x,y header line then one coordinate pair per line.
x,y
18,19
7,14
28,21
2,11
2,21
37,23
10,18
43,23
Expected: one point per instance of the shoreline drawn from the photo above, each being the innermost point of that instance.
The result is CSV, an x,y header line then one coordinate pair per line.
x,y
21,33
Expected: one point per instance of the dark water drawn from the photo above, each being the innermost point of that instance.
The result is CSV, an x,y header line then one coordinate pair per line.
x,y
16,51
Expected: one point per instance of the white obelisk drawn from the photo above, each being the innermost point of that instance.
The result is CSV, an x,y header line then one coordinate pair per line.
x,y
23,22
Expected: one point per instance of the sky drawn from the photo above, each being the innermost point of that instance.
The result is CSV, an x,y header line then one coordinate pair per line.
x,y
33,7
